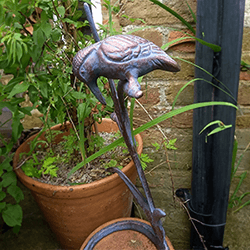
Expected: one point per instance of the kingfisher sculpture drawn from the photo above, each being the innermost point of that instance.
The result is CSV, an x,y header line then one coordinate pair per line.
x,y
124,57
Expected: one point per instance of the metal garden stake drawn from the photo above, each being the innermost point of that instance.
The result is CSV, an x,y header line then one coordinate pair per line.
x,y
125,57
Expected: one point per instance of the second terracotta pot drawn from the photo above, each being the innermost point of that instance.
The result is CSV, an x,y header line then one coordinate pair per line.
x,y
74,212
122,240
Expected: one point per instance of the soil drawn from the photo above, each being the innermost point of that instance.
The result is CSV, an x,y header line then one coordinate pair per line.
x,y
93,171
127,239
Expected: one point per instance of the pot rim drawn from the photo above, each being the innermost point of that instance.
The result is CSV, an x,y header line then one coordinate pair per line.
x,y
118,220
53,190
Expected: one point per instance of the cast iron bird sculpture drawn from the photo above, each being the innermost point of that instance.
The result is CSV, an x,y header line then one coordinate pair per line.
x,y
124,57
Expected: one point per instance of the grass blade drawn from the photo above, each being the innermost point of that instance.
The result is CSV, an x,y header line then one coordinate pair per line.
x,y
147,126
192,13
189,26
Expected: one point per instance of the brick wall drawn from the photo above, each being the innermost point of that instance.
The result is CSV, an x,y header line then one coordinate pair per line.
x,y
160,89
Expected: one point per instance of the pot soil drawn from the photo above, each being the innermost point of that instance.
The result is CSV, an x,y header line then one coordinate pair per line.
x,y
126,239
73,212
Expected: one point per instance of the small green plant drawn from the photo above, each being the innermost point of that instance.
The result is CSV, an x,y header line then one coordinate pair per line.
x,y
168,144
244,66
144,158
38,54
113,164
237,200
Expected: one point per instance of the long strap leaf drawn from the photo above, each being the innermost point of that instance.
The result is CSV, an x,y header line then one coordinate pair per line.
x,y
149,125
189,26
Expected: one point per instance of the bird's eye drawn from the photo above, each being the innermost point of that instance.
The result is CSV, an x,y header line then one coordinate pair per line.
x,y
82,70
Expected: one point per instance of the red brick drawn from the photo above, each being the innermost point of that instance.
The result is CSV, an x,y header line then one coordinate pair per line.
x,y
187,45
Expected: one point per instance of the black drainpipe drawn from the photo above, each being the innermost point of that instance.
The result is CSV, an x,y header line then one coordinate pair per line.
x,y
219,22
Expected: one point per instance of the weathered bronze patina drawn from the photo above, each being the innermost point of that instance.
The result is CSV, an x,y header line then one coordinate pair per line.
x,y
125,57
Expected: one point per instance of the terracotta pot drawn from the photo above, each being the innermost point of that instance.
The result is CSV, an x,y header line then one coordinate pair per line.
x,y
74,212
126,239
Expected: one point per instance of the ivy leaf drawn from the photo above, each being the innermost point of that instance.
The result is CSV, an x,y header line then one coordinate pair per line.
x,y
13,215
15,192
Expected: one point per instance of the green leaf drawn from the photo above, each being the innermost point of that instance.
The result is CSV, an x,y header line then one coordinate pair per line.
x,y
13,82
18,88
38,37
217,122
16,125
43,87
245,204
2,196
61,10
1,15
46,28
29,169
48,168
13,215
26,110
179,111
235,149
109,101
214,47
166,45
8,179
19,51
35,52
83,111
16,229
15,192
156,145
78,95
192,13
147,126
203,80
219,129
242,177
6,164
189,26
56,34
2,206
171,144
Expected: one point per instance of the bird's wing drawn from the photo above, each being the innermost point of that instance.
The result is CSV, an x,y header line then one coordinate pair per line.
x,y
122,48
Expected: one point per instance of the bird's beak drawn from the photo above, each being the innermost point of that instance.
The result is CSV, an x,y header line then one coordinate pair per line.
x,y
96,91
172,65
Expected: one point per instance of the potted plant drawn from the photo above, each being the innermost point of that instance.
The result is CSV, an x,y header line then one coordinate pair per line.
x,y
43,56
39,41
